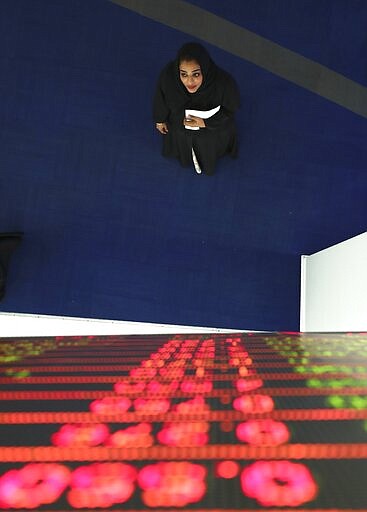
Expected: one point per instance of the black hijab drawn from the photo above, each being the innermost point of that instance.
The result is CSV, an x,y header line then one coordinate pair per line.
x,y
195,51
172,97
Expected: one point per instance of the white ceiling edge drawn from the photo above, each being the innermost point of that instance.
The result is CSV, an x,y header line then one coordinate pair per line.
x,y
22,324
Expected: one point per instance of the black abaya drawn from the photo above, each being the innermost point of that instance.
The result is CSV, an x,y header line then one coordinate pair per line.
x,y
171,99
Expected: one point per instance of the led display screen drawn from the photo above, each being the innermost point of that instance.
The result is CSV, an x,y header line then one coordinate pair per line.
x,y
188,422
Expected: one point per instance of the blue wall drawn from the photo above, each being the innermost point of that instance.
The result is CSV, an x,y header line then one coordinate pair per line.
x,y
112,230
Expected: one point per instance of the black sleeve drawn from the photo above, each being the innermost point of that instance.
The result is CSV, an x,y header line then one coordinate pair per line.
x,y
230,103
160,109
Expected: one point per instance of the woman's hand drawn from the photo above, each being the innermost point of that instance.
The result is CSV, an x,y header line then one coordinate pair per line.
x,y
162,127
194,122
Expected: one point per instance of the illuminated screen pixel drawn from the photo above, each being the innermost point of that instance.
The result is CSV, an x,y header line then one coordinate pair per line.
x,y
207,423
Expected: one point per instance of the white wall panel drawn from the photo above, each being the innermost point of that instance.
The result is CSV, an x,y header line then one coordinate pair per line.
x,y
334,288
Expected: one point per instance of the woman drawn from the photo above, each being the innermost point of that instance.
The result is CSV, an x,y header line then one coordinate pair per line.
x,y
192,82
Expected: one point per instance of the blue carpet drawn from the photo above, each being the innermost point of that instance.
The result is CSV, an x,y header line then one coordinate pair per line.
x,y
113,230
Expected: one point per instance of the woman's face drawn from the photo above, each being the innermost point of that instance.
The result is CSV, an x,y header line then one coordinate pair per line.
x,y
191,75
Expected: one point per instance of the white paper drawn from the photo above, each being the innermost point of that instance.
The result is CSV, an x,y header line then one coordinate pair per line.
x,y
203,114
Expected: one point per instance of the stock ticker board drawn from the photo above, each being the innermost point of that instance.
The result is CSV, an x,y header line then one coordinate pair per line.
x,y
207,423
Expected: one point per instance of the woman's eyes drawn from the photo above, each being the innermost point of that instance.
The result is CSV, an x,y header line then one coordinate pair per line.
x,y
196,75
